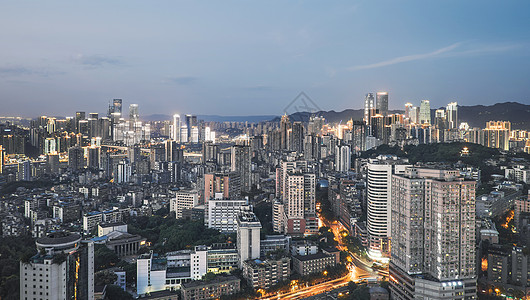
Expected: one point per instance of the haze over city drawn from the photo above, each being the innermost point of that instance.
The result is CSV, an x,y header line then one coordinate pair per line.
x,y
248,58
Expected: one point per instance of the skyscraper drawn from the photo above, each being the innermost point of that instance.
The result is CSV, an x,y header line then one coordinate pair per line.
x,y
342,158
241,164
134,117
117,104
76,160
285,125
175,130
379,189
296,187
408,107
433,235
382,103
452,115
425,112
369,105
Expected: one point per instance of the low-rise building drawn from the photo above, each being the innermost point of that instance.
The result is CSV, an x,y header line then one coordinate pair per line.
x,y
169,272
273,243
106,228
213,289
314,263
265,274
304,247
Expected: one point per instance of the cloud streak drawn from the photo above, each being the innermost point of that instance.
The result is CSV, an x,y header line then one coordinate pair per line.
x,y
97,60
182,80
442,52
406,58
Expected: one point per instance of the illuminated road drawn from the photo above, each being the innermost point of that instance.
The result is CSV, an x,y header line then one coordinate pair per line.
x,y
358,267
313,290
359,270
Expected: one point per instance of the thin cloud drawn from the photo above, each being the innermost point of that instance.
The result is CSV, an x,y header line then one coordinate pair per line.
x,y
260,88
14,71
97,60
406,58
182,80
17,71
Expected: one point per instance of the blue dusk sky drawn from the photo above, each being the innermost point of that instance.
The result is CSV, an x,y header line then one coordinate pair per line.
x,y
253,58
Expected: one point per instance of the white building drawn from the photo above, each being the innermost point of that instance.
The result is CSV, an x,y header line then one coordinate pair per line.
x,y
342,158
106,228
184,199
248,236
92,219
379,189
433,235
222,214
50,275
156,273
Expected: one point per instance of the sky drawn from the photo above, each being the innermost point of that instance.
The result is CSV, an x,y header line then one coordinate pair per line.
x,y
255,57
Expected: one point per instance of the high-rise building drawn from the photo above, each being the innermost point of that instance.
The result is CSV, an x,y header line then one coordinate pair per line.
x,y
2,158
222,213
248,236
382,103
497,135
80,115
408,108
425,112
241,164
342,158
175,129
123,172
76,160
369,106
379,189
185,199
433,235
227,184
452,115
297,137
62,269
117,104
134,117
173,152
295,186
285,126
94,157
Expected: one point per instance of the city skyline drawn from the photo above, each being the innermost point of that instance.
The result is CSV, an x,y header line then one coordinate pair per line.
x,y
235,59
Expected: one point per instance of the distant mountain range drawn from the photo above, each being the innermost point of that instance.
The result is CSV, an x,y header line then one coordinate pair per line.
x,y
476,116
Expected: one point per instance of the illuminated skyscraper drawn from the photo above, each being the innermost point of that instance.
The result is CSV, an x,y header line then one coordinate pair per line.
x,y
285,125
117,104
408,108
134,117
382,103
452,115
425,112
175,130
369,105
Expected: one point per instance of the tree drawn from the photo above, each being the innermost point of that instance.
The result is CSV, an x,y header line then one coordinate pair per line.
x,y
114,292
105,277
104,258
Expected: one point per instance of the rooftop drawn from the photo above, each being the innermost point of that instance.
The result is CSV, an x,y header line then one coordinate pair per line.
x,y
58,238
217,280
